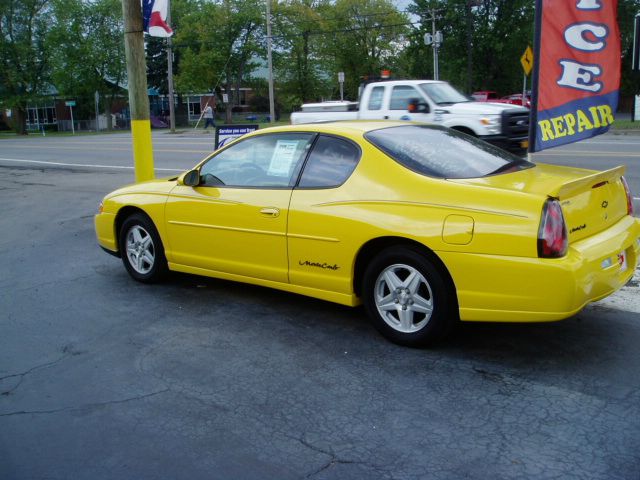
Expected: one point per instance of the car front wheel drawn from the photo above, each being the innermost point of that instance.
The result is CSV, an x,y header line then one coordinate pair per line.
x,y
408,299
141,249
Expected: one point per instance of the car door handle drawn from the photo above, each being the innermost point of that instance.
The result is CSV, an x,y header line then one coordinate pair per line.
x,y
386,117
270,212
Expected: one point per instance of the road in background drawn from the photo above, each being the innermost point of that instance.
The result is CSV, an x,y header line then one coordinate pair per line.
x,y
181,151
175,153
172,152
600,153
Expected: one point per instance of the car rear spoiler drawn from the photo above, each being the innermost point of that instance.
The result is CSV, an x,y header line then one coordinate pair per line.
x,y
569,189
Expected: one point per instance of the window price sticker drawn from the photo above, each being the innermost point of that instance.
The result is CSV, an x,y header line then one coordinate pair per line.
x,y
283,158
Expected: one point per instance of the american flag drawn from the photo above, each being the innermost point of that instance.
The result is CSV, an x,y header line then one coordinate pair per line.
x,y
154,14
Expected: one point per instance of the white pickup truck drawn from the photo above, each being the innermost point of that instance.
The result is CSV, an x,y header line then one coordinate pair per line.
x,y
504,125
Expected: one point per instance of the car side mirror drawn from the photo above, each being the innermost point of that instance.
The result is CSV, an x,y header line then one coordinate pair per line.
x,y
416,106
191,178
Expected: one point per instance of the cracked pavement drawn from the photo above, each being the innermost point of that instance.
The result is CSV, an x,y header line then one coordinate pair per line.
x,y
105,378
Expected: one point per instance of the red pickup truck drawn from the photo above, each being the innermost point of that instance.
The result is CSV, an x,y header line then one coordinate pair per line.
x,y
489,96
516,99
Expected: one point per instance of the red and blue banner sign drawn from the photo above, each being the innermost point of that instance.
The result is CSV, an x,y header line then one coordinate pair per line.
x,y
576,73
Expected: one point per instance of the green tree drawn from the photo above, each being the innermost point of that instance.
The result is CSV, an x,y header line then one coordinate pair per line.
x,y
156,48
483,42
298,31
156,55
364,37
630,81
24,55
89,56
219,47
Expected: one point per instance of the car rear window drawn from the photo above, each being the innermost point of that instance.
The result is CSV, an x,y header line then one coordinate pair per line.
x,y
330,163
443,153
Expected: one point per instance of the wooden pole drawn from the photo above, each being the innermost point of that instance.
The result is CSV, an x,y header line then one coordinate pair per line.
x,y
73,129
138,98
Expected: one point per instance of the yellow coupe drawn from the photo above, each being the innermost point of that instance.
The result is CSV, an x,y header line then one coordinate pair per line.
x,y
423,225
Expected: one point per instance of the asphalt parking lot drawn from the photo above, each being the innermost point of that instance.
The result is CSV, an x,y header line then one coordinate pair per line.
x,y
105,378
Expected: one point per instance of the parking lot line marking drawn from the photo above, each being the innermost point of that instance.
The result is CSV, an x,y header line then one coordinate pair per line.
x,y
612,142
588,154
116,149
84,165
124,143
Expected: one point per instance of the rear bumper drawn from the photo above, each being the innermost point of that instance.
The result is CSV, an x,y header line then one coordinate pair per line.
x,y
519,289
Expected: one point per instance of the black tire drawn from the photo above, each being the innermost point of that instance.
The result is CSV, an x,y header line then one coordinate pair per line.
x,y
141,249
410,313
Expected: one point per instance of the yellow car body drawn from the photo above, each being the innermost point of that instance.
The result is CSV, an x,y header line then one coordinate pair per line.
x,y
318,241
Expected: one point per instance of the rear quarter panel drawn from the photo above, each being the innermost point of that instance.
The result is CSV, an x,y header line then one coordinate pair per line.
x,y
328,227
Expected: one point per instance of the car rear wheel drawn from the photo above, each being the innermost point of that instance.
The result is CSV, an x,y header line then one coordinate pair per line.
x,y
141,249
408,299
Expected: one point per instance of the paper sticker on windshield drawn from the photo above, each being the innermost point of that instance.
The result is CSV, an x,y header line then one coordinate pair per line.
x,y
283,158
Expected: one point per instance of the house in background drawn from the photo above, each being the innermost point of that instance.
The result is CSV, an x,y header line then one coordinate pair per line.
x,y
197,102
54,112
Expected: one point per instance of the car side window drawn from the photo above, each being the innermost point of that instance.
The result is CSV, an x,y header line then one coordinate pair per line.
x,y
375,99
263,161
330,163
400,96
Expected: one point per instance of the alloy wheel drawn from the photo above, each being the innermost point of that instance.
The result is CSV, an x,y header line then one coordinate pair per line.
x,y
403,298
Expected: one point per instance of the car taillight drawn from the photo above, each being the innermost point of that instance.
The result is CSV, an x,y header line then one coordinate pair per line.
x,y
629,196
552,234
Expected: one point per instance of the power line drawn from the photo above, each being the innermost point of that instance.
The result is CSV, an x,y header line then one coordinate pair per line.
x,y
316,32
335,19
347,30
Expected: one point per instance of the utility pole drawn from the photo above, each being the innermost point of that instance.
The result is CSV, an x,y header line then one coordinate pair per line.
x,y
469,6
172,113
138,99
469,24
96,98
435,40
270,64
436,75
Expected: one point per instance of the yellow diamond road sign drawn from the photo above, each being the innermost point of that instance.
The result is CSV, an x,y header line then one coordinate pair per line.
x,y
527,60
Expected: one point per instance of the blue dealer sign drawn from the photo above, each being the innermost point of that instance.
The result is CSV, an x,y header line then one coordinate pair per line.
x,y
228,133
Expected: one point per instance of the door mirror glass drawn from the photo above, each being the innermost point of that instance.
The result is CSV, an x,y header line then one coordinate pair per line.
x,y
191,179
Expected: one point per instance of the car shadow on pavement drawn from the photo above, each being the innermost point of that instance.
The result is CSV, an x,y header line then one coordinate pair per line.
x,y
584,338
596,339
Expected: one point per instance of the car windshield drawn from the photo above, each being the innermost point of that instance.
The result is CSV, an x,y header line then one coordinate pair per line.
x,y
444,153
443,93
